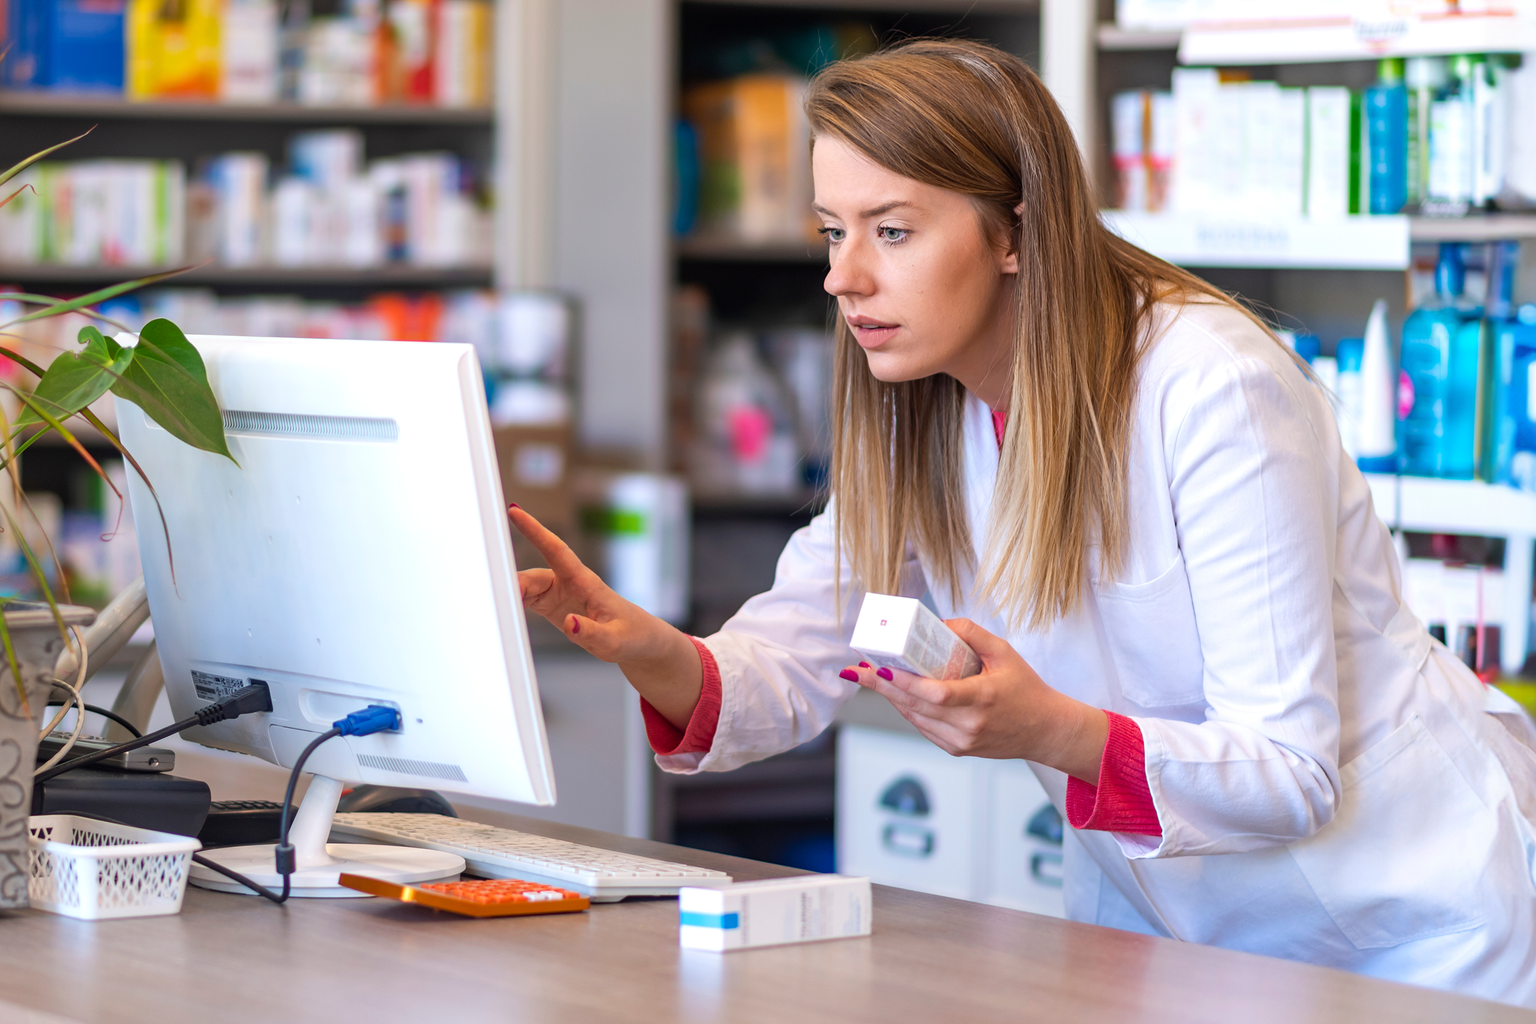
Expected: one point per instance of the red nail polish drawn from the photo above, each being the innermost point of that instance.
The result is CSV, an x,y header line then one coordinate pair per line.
x,y
865,664
884,673
513,506
575,625
849,674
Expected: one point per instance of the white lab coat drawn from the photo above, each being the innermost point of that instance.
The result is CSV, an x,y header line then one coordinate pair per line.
x,y
1333,785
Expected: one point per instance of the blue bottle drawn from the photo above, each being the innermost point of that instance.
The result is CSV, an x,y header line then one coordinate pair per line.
x,y
1428,337
1515,430
1495,426
1386,136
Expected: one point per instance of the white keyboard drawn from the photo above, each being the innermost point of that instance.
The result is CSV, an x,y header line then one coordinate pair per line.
x,y
600,875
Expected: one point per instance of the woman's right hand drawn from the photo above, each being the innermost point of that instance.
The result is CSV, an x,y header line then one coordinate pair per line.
x,y
659,660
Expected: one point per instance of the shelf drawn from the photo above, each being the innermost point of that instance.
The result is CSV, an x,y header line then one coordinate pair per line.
x,y
805,503
732,250
1355,243
1317,40
86,105
1492,228
1452,506
1113,37
261,277
908,7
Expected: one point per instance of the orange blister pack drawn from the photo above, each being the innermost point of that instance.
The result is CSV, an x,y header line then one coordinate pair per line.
x,y
492,897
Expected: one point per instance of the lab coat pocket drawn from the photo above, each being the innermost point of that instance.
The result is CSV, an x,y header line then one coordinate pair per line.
x,y
1152,636
1396,862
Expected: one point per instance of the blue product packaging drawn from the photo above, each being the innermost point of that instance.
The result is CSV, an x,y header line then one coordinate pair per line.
x,y
1386,117
26,65
1515,432
85,45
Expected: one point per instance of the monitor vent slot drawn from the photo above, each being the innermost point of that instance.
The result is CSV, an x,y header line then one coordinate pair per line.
x,y
407,766
317,428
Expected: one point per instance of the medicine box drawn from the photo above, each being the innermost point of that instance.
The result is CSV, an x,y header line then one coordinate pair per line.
x,y
898,632
774,912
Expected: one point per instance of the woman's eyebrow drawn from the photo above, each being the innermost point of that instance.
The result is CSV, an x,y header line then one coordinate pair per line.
x,y
874,211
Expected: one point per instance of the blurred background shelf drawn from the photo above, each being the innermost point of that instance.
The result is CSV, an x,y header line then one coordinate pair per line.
x,y
731,250
259,277
1355,243
1343,38
1113,37
1471,508
1491,228
92,105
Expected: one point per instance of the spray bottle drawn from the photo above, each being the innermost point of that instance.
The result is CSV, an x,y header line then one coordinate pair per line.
x,y
1377,446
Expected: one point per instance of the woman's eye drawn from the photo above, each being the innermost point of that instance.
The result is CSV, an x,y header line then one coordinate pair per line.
x,y
831,234
893,235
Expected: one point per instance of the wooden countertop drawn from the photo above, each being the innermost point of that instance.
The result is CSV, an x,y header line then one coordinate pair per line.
x,y
239,959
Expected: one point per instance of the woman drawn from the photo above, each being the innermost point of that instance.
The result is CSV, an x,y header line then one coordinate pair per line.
x,y
1129,498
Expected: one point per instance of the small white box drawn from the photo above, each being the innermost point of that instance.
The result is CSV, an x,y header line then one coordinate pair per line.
x,y
774,912
898,632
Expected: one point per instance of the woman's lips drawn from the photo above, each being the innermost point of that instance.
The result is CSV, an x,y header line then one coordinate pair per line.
x,y
871,333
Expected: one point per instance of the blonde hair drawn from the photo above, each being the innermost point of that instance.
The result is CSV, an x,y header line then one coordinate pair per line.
x,y
976,120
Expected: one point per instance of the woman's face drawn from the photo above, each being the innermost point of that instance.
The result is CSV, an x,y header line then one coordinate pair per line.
x,y
920,284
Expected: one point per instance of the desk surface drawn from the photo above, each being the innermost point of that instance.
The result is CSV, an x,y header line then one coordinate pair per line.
x,y
235,959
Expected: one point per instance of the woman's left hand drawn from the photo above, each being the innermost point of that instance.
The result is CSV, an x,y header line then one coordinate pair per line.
x,y
1004,711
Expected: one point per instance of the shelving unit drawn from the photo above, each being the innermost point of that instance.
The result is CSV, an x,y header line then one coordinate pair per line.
x,y
1355,243
49,104
1280,261
1326,39
1423,505
1112,37
300,277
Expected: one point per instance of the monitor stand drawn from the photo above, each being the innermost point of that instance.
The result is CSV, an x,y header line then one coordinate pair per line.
x,y
318,862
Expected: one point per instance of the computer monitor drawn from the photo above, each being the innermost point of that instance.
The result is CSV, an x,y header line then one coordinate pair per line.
x,y
358,554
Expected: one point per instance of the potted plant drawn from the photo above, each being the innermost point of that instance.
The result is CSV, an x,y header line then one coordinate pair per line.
x,y
162,374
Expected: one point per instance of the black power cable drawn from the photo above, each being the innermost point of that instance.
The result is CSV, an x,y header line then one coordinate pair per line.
x,y
243,702
284,855
111,716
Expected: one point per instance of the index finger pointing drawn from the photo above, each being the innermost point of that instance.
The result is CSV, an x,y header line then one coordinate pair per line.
x,y
555,551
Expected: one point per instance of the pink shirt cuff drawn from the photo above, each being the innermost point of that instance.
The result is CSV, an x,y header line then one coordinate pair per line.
x,y
666,738
1122,801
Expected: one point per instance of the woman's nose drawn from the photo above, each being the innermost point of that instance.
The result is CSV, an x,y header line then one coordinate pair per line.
x,y
849,273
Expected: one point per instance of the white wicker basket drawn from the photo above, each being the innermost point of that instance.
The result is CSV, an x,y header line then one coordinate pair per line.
x,y
91,869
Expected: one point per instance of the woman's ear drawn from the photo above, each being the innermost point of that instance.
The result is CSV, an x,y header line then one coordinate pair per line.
x,y
1011,260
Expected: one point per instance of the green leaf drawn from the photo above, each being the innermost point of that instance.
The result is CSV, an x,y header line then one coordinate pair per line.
x,y
167,379
35,157
75,380
48,300
61,306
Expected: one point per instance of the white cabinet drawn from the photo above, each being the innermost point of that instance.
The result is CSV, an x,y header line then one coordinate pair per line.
x,y
910,815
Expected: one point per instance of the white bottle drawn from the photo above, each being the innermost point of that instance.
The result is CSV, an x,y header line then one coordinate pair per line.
x,y
1377,439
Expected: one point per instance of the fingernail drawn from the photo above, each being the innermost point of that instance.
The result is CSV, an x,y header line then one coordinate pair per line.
x,y
575,624
850,675
513,506
865,664
884,673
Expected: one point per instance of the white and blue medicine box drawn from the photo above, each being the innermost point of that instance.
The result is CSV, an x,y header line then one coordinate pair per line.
x,y
773,912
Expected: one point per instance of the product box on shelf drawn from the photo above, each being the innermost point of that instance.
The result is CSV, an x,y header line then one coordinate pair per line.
x,y
754,175
535,463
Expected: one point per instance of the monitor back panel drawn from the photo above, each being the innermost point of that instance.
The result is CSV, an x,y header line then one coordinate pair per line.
x,y
358,553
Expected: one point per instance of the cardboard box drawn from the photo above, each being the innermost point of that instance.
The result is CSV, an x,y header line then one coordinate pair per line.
x,y
535,467
773,912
